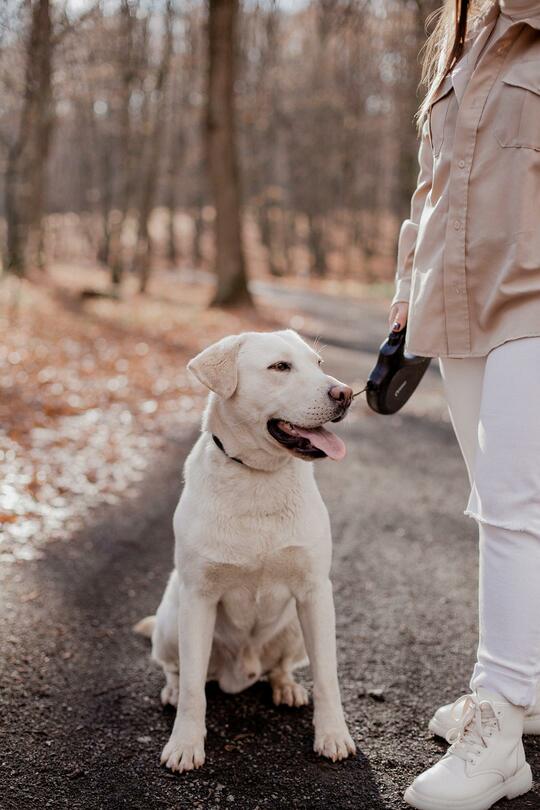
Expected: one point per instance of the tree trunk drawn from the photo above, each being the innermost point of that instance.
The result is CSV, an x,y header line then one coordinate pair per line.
x,y
28,155
115,223
153,155
16,228
268,238
222,157
197,253
316,246
174,252
41,56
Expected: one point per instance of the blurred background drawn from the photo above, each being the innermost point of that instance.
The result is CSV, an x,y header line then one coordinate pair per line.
x,y
172,171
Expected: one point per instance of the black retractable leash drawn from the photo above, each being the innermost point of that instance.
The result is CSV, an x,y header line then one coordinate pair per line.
x,y
396,375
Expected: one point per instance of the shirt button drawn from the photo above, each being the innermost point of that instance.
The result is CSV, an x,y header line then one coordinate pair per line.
x,y
457,225
461,164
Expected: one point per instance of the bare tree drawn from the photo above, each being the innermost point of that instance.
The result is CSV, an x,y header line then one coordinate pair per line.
x,y
222,157
312,108
153,155
113,255
29,150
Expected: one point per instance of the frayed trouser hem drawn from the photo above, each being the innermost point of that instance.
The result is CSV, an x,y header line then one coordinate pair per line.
x,y
499,524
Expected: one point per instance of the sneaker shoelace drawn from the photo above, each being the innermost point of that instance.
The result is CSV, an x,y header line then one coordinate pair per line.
x,y
476,721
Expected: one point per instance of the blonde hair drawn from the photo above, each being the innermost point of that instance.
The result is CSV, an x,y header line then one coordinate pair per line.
x,y
444,45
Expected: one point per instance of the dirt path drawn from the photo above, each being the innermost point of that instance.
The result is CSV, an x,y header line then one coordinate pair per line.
x,y
81,725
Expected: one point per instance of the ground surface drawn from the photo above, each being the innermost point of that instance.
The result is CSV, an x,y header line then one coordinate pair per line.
x,y
81,724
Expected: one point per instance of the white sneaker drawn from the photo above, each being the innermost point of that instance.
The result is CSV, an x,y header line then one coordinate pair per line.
x,y
446,718
484,763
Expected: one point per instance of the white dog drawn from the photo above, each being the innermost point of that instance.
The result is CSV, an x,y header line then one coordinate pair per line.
x,y
253,546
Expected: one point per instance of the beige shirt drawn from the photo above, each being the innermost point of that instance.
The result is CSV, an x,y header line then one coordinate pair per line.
x,y
469,256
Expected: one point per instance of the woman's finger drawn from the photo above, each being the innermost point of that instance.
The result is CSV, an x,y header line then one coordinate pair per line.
x,y
398,316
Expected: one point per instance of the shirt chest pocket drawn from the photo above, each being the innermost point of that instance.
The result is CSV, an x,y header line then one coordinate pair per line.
x,y
520,107
438,111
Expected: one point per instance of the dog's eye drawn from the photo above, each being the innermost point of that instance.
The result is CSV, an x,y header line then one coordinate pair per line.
x,y
281,366
320,361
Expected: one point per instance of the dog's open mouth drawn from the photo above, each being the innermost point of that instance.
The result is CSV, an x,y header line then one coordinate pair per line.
x,y
315,442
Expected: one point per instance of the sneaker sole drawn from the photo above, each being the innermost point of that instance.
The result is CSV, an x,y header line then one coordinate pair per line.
x,y
516,786
531,725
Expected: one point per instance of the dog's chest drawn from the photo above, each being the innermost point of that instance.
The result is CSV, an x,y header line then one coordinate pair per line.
x,y
255,600
251,612
254,584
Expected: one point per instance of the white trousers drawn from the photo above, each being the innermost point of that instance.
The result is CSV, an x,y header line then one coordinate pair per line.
x,y
494,405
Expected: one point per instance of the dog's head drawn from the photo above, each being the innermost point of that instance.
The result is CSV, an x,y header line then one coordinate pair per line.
x,y
272,386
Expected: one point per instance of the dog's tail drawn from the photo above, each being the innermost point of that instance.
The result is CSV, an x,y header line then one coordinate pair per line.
x,y
145,627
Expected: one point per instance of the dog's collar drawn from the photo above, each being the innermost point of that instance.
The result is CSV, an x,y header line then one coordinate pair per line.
x,y
220,445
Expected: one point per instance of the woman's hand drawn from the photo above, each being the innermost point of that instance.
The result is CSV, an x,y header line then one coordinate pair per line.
x,y
398,316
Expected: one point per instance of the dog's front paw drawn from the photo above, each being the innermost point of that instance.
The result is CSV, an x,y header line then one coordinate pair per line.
x,y
182,754
334,744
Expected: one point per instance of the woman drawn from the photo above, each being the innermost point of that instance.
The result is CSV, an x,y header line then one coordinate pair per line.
x,y
468,281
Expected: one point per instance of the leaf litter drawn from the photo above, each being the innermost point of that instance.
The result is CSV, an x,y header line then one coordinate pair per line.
x,y
91,389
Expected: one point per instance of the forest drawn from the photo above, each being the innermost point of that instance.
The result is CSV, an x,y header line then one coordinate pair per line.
x,y
263,137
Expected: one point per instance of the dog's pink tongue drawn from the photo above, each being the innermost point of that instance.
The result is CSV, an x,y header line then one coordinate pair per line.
x,y
325,440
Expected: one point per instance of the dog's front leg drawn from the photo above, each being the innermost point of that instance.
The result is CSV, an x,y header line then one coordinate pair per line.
x,y
196,620
317,617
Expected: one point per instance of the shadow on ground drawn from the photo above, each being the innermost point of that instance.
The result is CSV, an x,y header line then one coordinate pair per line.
x,y
81,697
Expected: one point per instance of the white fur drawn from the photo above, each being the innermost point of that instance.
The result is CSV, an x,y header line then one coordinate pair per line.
x,y
253,549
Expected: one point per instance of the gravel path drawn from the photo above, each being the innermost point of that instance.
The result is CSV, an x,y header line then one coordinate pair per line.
x,y
80,721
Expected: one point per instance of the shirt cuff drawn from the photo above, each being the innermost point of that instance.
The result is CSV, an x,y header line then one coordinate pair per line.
x,y
403,291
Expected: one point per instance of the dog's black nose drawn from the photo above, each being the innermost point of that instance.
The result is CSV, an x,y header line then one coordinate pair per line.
x,y
342,394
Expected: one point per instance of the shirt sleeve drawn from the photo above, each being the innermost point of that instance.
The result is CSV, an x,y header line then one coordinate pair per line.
x,y
409,229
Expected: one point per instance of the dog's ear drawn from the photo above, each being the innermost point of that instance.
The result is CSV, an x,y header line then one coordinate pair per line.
x,y
216,366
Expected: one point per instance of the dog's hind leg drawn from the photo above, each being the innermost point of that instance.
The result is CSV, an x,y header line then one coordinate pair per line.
x,y
169,693
165,641
282,655
285,689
